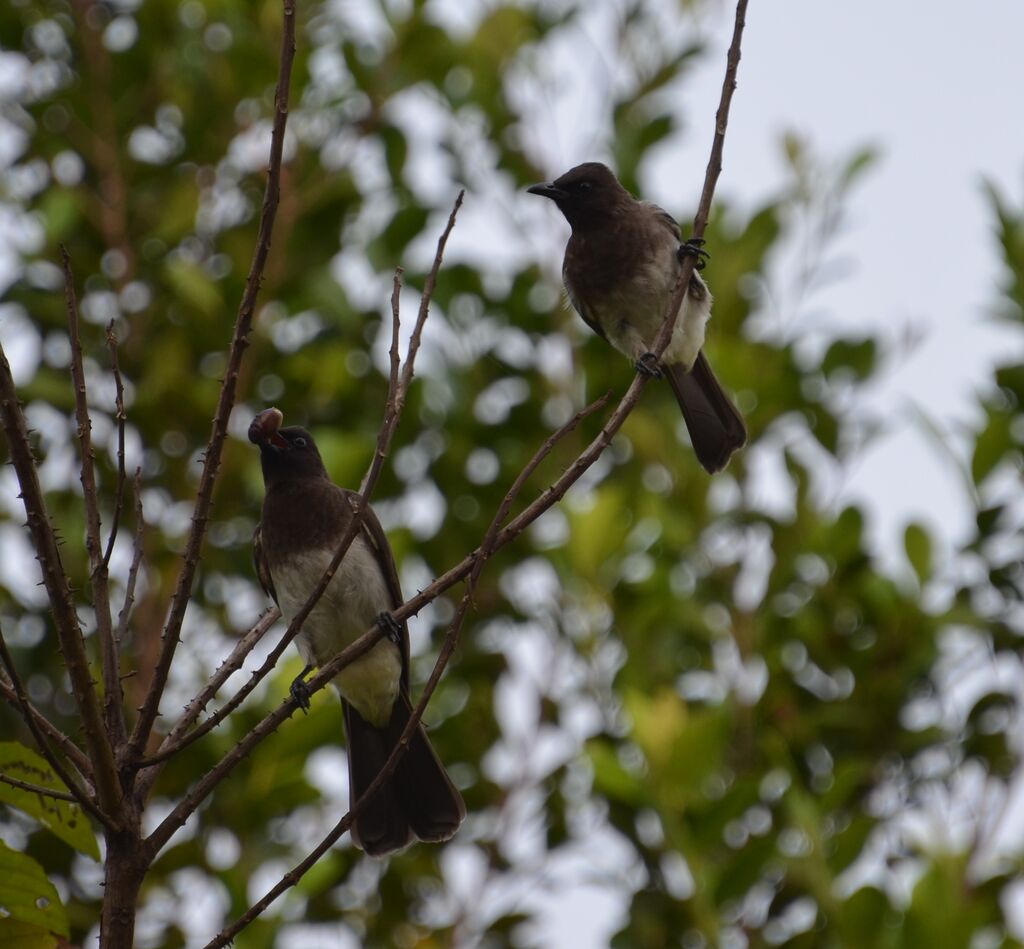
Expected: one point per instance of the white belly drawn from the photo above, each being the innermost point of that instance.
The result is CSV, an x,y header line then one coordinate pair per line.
x,y
348,608
634,319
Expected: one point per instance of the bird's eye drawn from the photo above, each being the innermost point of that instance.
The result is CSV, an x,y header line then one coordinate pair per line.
x,y
299,442
584,186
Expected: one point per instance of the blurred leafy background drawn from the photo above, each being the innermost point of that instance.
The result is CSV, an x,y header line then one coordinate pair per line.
x,y
687,711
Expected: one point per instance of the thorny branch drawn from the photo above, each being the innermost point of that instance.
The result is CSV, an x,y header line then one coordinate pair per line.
x,y
80,795
37,789
119,415
226,935
62,606
218,435
133,570
71,751
397,387
180,737
113,699
497,537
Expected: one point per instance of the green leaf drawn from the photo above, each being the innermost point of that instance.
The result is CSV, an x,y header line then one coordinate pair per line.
x,y
993,443
610,778
918,545
858,163
18,935
66,820
856,357
28,897
194,286
598,533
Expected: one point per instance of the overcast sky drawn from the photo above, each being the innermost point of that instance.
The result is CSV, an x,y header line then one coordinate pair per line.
x,y
937,90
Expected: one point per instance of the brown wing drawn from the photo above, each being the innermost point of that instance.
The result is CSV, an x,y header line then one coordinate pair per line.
x,y
374,536
262,567
664,218
568,263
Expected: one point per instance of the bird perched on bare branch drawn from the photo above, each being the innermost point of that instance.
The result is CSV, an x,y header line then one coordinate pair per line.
x,y
304,519
620,269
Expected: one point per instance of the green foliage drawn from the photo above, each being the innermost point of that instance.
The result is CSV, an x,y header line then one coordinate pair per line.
x,y
729,693
33,914
64,819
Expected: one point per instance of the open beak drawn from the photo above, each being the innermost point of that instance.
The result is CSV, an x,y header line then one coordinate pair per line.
x,y
264,429
546,189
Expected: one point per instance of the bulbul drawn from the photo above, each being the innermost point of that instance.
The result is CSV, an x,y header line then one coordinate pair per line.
x,y
620,270
304,517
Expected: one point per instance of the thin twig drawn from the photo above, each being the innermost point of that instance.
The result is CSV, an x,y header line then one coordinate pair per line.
x,y
113,699
397,387
55,579
714,169
218,434
198,792
133,570
495,537
180,737
37,789
226,935
392,409
80,795
427,295
71,751
119,415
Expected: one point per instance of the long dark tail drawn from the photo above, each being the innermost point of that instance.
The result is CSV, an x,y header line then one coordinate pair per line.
x,y
419,800
715,425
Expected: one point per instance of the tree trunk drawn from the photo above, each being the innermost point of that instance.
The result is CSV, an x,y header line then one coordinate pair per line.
x,y
126,867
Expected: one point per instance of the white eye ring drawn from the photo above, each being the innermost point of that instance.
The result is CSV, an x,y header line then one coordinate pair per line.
x,y
299,442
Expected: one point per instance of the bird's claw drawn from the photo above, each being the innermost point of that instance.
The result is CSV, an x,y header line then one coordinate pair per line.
x,y
648,365
300,690
694,247
391,627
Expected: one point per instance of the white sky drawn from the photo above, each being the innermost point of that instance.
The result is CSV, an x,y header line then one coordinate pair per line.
x,y
937,88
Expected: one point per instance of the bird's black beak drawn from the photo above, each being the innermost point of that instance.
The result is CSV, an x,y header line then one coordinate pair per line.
x,y
547,189
263,430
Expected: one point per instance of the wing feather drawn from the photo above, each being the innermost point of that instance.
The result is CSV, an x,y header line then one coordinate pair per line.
x,y
259,559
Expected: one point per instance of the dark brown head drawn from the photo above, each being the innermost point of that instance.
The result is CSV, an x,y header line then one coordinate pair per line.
x,y
589,195
284,452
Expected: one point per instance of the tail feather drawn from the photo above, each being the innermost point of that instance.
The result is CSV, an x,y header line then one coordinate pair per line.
x,y
715,425
380,826
433,805
418,800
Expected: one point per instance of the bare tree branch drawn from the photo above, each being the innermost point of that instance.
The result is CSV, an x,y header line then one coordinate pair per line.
x,y
119,415
71,751
226,935
55,580
113,699
496,538
133,570
180,737
397,387
37,789
700,220
218,434
80,795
